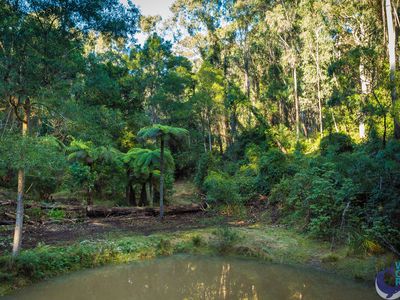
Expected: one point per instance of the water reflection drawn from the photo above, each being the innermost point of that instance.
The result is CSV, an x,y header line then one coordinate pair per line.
x,y
198,278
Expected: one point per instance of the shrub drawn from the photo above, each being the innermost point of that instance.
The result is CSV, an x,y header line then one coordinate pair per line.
x,y
315,199
165,247
56,214
247,186
227,238
197,241
205,164
336,143
221,189
273,166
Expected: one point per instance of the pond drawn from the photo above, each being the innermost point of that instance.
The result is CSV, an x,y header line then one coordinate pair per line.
x,y
193,277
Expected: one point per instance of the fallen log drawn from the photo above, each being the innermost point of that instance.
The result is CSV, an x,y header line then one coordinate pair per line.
x,y
179,210
103,212
46,206
7,222
13,217
6,203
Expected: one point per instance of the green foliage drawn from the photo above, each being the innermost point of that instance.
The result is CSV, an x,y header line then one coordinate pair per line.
x,y
336,143
273,166
198,241
165,247
42,158
255,109
315,198
56,214
344,196
221,189
157,131
79,176
246,182
227,238
206,163
146,161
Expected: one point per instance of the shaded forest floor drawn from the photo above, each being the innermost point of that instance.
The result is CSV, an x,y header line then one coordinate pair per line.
x,y
70,229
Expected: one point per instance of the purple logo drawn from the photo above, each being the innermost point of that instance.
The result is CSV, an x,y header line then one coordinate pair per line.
x,y
385,290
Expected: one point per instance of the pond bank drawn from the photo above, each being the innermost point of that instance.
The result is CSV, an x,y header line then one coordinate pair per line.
x,y
265,242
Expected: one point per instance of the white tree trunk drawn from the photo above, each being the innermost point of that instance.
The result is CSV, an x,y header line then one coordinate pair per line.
x,y
392,64
364,93
19,219
321,126
296,103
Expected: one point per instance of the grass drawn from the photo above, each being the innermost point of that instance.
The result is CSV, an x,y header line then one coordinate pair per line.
x,y
263,242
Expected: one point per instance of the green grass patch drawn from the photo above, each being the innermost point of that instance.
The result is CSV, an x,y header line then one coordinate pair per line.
x,y
261,242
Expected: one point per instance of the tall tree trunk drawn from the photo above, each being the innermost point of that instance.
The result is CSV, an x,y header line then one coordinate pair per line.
x,y
334,122
321,128
247,84
220,142
392,64
162,177
204,135
296,103
19,220
233,123
364,93
209,135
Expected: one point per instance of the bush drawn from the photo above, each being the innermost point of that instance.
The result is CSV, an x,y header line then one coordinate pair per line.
x,y
206,163
315,199
56,214
273,166
165,247
198,241
336,143
227,238
222,189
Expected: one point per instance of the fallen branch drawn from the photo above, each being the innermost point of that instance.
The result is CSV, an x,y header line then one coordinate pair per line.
x,y
6,222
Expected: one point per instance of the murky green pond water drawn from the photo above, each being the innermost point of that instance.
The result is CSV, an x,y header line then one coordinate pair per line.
x,y
188,277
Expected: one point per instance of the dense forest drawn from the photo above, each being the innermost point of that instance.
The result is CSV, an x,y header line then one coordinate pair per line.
x,y
292,104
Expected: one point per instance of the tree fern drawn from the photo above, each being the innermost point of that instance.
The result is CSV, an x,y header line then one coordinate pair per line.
x,y
160,133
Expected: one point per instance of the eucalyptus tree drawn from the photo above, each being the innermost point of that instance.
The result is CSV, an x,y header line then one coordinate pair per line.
x,y
316,53
392,66
208,100
283,21
356,49
161,133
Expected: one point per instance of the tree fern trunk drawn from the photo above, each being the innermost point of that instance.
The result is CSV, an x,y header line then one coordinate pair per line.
x,y
151,190
162,177
132,196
